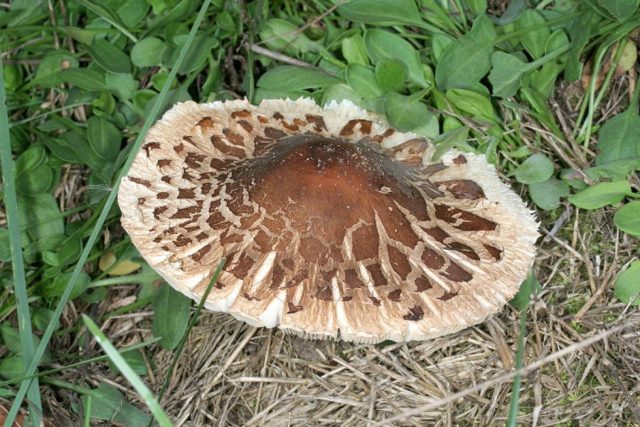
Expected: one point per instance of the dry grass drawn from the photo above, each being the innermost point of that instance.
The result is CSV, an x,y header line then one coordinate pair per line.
x,y
233,375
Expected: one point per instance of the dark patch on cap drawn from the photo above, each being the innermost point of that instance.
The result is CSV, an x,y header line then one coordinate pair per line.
x,y
292,308
460,160
415,313
463,189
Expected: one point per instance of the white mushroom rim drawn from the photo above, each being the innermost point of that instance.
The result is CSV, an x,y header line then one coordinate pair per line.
x,y
333,224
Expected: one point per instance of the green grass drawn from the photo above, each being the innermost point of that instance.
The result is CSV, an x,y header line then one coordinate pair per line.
x,y
77,98
17,260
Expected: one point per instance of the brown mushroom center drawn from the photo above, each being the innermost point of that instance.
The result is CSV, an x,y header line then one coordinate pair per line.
x,y
325,187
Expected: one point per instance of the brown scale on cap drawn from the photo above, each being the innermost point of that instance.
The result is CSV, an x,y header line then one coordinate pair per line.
x,y
330,221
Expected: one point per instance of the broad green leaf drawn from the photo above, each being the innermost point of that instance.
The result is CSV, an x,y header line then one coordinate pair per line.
x,y
109,57
557,40
148,52
132,12
439,43
477,6
615,170
537,168
201,48
40,217
620,9
280,34
547,194
529,287
291,78
544,79
619,138
381,44
90,80
104,138
135,360
339,92
472,103
123,85
602,194
363,81
108,404
405,113
53,63
537,33
38,180
389,12
465,61
627,218
56,286
390,75
171,316
64,254
627,286
506,74
353,50
579,34
11,367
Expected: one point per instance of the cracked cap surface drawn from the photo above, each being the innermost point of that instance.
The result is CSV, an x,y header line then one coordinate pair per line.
x,y
332,223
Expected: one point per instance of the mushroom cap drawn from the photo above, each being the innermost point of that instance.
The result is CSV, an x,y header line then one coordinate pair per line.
x,y
332,223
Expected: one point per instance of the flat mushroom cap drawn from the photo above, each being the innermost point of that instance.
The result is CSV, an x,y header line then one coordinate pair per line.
x,y
331,222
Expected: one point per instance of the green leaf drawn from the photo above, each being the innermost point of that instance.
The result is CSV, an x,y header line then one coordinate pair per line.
x,y
11,367
108,404
382,12
535,38
465,61
282,35
537,168
381,44
620,9
390,75
439,43
404,112
547,194
506,74
627,218
148,52
471,102
83,78
627,286
171,316
580,34
291,78
104,138
54,288
339,92
529,287
353,50
109,57
133,359
602,194
619,138
40,217
363,81
123,85
198,53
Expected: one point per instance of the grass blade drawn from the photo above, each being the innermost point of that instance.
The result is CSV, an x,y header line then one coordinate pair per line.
x,y
17,260
103,216
517,380
128,372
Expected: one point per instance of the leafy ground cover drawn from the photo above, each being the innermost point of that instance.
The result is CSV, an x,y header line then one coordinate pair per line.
x,y
546,90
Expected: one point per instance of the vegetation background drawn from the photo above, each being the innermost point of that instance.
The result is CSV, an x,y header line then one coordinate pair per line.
x,y
547,90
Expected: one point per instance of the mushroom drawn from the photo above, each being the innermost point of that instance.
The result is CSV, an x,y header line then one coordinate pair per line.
x,y
332,223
